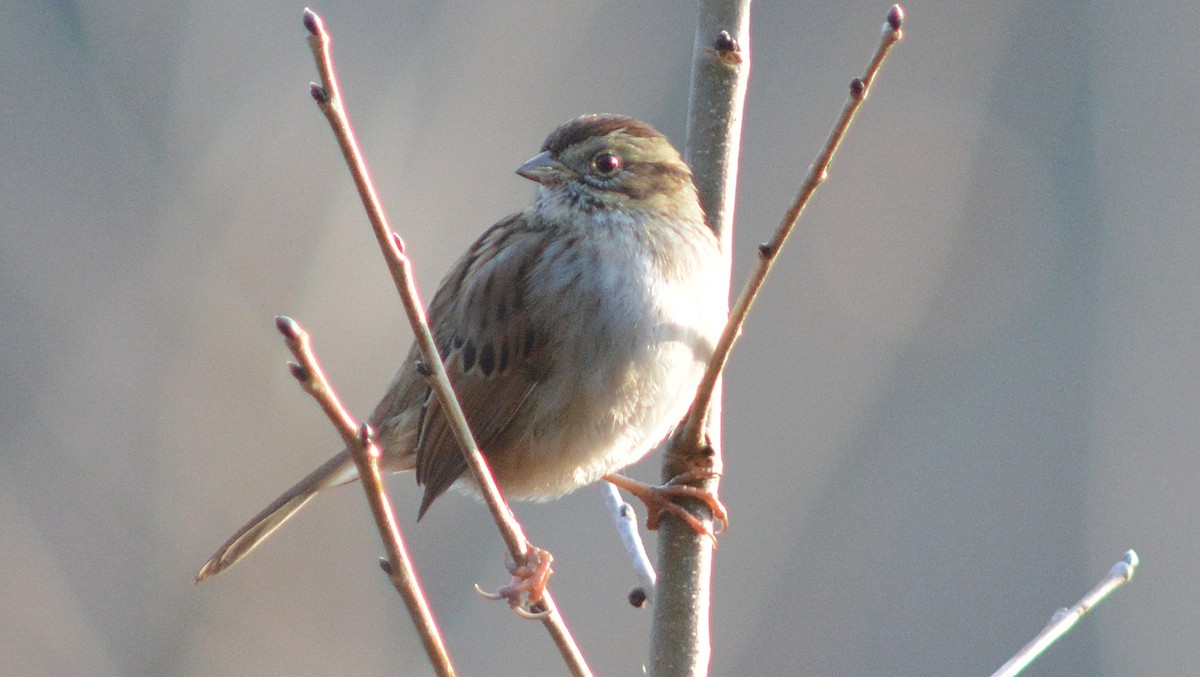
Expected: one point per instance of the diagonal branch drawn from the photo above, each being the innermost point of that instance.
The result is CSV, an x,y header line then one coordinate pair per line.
x,y
1065,619
358,440
329,99
768,251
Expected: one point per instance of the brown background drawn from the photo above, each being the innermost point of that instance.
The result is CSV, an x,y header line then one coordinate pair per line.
x,y
970,386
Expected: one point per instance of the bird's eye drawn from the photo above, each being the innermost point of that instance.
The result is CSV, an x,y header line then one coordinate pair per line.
x,y
606,164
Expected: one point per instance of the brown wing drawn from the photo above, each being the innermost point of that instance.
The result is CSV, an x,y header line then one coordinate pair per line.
x,y
490,348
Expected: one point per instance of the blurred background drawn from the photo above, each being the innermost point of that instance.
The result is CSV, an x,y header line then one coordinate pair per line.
x,y
969,387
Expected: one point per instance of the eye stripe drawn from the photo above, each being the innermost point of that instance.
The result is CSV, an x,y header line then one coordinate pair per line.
x,y
647,178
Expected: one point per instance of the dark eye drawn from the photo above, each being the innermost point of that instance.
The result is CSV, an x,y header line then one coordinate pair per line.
x,y
606,164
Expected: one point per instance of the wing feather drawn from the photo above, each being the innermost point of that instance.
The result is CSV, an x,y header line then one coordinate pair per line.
x,y
491,350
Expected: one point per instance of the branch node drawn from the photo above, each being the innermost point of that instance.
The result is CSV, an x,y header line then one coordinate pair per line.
x,y
423,369
398,240
765,251
638,597
318,93
857,89
386,565
299,373
727,48
366,434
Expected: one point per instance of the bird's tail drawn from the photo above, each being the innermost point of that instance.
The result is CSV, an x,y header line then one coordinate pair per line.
x,y
338,470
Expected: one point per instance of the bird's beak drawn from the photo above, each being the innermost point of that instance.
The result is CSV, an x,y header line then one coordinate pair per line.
x,y
544,169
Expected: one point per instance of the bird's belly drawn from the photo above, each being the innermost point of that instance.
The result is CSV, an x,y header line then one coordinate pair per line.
x,y
636,383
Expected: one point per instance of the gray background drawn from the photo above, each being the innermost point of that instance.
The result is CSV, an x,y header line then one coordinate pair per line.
x,y
969,387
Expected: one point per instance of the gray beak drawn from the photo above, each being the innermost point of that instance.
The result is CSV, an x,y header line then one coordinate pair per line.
x,y
543,168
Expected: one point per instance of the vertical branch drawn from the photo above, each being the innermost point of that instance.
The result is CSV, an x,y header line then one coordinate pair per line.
x,y
679,642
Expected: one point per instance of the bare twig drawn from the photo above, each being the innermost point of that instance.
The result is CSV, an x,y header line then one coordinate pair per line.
x,y
359,442
767,252
329,99
1065,619
627,528
720,65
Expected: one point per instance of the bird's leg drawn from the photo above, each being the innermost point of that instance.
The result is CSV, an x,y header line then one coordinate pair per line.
x,y
662,498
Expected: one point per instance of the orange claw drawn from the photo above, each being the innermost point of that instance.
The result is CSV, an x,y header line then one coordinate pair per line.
x,y
661,498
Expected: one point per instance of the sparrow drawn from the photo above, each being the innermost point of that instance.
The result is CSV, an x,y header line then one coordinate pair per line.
x,y
575,332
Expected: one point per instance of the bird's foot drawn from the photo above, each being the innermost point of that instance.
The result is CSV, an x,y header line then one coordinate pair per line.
x,y
524,594
663,498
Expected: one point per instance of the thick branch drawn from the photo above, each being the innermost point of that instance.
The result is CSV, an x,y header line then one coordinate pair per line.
x,y
679,643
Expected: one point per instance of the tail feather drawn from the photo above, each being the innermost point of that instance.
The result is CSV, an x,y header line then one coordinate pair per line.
x,y
338,470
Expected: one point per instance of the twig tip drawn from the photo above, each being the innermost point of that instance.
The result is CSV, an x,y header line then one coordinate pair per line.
x,y
1126,567
312,21
288,327
1130,558
895,17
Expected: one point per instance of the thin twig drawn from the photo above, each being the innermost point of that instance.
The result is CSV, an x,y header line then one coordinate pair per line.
x,y
328,97
679,643
627,528
358,440
767,252
1065,619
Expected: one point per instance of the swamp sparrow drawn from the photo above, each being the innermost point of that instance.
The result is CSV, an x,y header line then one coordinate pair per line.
x,y
575,331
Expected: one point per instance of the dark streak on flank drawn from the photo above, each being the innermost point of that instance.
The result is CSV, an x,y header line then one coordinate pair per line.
x,y
487,358
468,356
